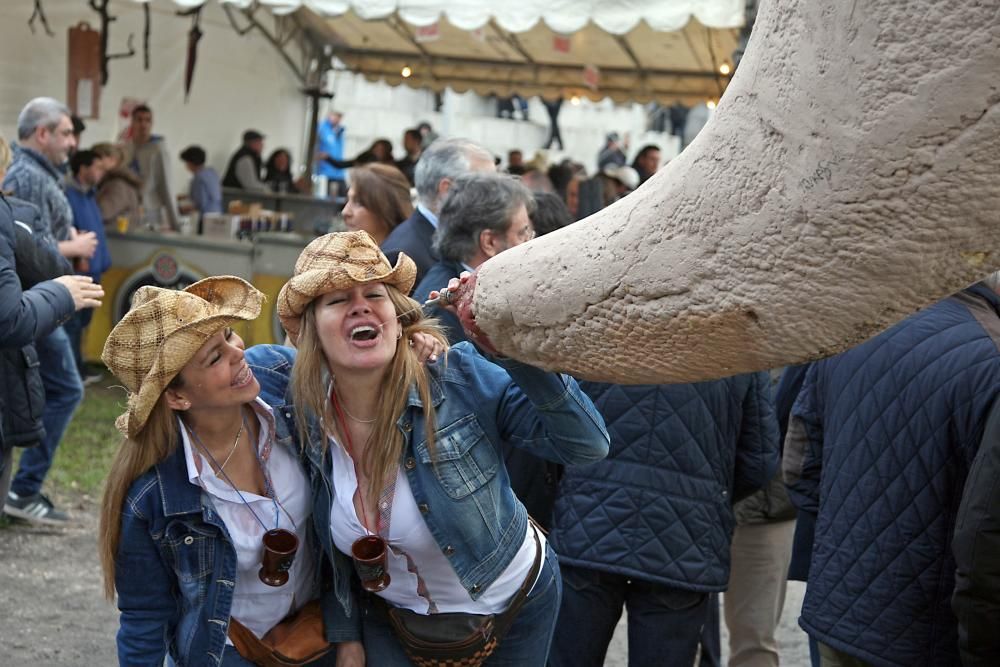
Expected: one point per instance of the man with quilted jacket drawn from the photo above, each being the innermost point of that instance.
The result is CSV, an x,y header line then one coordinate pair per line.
x,y
879,445
650,526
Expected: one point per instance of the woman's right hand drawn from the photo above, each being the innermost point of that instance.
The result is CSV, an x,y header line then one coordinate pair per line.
x,y
459,303
350,654
85,292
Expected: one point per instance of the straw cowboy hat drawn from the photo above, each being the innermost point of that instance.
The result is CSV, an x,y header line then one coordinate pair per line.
x,y
334,262
162,331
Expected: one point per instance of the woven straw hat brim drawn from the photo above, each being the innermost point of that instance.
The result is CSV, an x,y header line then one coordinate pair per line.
x,y
152,343
320,270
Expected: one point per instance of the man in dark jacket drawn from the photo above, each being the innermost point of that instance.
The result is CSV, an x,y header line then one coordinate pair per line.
x,y
245,165
977,554
27,316
650,526
483,215
879,446
440,164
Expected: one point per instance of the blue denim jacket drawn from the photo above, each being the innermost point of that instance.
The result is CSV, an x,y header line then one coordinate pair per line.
x,y
176,569
465,495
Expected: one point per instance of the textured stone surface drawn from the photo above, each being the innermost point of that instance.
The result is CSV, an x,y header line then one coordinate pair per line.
x,y
850,177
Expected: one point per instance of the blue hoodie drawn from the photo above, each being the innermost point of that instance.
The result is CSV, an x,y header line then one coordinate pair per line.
x,y
87,218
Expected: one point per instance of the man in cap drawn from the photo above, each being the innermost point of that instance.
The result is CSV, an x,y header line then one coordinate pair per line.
x,y
245,165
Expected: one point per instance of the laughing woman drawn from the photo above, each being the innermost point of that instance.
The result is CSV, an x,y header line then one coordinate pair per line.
x,y
206,529
451,567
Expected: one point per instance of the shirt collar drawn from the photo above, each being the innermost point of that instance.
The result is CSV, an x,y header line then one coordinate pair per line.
x,y
427,213
264,414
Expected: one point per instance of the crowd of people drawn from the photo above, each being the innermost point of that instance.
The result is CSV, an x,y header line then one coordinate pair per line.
x,y
388,489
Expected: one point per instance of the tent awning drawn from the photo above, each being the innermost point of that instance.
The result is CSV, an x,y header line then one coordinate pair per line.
x,y
634,50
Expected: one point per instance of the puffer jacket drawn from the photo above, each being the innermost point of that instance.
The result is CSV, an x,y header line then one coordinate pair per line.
x,y
879,446
25,316
660,507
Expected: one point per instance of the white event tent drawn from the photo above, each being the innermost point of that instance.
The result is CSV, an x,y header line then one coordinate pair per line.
x,y
628,50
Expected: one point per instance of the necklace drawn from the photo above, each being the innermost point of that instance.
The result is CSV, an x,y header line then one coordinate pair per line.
x,y
236,443
348,412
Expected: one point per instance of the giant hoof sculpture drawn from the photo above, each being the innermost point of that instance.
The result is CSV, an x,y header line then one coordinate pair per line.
x,y
851,176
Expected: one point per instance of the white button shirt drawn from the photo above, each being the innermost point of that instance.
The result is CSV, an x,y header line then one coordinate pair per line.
x,y
409,533
255,604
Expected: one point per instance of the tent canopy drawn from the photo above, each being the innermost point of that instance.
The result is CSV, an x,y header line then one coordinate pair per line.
x,y
629,50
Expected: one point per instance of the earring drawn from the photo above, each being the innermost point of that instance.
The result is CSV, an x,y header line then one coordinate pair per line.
x,y
399,334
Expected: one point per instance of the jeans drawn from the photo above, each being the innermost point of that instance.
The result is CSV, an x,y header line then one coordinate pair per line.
x,y
711,642
74,329
664,623
526,644
63,393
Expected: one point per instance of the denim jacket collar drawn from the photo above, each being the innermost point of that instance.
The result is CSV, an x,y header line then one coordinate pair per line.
x,y
183,497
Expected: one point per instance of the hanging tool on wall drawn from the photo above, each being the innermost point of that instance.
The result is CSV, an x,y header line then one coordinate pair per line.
x,y
145,37
39,14
101,7
194,35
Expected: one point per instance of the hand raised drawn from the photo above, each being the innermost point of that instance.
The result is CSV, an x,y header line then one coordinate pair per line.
x,y
85,292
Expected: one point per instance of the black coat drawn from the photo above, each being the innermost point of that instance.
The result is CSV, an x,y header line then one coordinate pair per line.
x,y
414,237
659,508
976,546
25,316
230,180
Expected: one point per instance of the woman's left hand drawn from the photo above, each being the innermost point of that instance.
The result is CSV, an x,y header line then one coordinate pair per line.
x,y
427,347
350,654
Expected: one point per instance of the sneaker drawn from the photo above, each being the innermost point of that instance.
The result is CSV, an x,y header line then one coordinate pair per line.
x,y
92,378
36,508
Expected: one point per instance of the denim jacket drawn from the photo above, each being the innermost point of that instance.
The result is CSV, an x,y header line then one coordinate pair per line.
x,y
176,569
464,493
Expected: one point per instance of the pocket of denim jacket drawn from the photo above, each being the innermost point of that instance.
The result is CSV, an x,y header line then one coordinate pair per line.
x,y
463,458
192,551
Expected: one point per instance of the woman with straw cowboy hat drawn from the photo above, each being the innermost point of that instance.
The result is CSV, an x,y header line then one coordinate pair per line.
x,y
418,497
206,528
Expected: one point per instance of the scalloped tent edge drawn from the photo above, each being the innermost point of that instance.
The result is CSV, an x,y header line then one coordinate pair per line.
x,y
639,51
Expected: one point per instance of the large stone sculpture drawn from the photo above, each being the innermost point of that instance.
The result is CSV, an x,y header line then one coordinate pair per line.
x,y
850,177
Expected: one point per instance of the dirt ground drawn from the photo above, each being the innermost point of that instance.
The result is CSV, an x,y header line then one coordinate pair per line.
x,y
55,616
52,606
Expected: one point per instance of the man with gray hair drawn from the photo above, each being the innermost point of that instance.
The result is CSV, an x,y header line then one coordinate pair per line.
x,y
483,215
440,164
45,138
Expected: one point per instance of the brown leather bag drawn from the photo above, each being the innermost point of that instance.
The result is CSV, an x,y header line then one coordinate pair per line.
x,y
296,640
457,639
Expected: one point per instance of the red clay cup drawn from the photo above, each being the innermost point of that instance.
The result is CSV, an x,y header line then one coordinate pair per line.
x,y
371,562
280,546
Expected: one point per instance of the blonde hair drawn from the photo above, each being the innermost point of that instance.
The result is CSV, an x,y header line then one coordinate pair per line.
x,y
5,155
309,390
154,443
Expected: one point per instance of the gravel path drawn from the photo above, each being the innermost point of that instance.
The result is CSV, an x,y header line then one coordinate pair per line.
x,y
54,613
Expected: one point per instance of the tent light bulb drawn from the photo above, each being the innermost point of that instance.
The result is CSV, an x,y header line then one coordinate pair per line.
x,y
710,104
725,69
406,72
575,100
